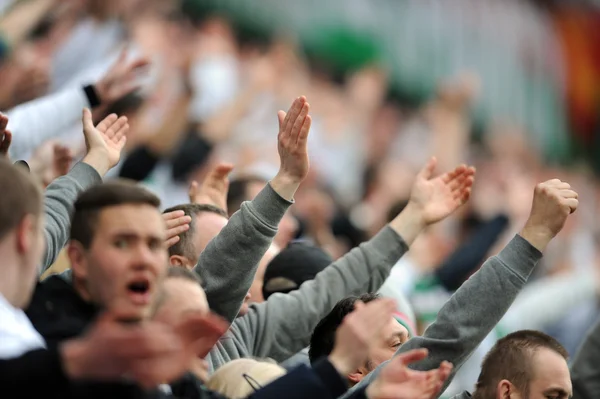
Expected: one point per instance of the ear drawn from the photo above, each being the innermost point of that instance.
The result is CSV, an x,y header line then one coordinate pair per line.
x,y
77,258
505,390
181,261
357,376
25,233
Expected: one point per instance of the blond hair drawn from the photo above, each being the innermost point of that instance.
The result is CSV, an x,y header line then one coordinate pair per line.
x,y
240,378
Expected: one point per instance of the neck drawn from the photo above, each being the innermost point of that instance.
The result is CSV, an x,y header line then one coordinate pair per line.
x,y
9,283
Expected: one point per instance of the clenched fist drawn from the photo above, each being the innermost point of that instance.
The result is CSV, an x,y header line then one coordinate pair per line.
x,y
553,202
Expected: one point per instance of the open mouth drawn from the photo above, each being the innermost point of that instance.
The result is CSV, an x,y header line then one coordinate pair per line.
x,y
139,291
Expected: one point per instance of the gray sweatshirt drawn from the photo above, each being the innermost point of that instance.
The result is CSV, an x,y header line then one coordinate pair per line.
x,y
474,309
59,200
283,325
585,369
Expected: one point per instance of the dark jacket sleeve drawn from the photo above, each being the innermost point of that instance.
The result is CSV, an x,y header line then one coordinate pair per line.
x,y
470,255
139,164
36,374
585,369
322,381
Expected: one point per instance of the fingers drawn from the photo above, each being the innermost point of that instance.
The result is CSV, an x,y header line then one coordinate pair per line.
x,y
428,169
412,356
222,171
297,126
172,241
118,126
281,118
292,114
86,119
573,203
193,190
105,123
6,141
303,136
3,122
172,215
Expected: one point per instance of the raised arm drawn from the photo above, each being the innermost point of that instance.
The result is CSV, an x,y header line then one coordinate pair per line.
x,y
479,304
104,144
364,269
228,264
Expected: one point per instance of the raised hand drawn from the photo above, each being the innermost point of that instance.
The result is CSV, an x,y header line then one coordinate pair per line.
x,y
214,188
397,381
177,222
120,79
437,198
359,332
553,202
105,141
292,140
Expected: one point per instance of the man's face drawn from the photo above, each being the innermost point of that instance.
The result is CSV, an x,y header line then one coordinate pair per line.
x,y
126,263
183,297
551,377
395,335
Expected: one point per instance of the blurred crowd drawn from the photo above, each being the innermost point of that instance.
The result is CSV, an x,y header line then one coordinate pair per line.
x,y
201,96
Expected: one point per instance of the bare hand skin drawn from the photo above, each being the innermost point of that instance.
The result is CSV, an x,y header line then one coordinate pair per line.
x,y
105,141
433,199
553,202
214,188
397,381
292,140
359,332
177,222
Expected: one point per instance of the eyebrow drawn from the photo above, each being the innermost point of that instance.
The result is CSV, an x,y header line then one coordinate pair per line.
x,y
131,235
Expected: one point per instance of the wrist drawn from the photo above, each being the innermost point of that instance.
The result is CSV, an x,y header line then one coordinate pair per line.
x,y
97,160
409,223
285,185
537,236
73,359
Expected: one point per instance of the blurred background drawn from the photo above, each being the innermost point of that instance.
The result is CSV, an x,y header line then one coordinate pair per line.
x,y
511,86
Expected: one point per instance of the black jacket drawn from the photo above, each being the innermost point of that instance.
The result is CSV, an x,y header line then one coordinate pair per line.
x,y
58,313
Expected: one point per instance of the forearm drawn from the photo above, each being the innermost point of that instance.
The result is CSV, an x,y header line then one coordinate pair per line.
x,y
408,224
60,197
475,308
364,269
228,264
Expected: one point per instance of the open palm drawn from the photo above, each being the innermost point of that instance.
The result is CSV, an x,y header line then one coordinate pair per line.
x,y
440,196
108,137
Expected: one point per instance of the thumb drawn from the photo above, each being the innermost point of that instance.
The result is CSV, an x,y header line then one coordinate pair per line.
x,y
412,356
428,169
193,189
87,119
222,170
281,117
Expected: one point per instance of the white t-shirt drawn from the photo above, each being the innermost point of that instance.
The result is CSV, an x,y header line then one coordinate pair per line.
x,y
17,335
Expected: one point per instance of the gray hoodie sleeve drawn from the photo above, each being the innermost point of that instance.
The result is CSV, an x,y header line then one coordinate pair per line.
x,y
585,369
281,326
474,309
228,264
59,200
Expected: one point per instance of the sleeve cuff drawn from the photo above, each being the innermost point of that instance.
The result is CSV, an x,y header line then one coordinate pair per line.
x,y
520,256
330,377
85,175
92,96
270,206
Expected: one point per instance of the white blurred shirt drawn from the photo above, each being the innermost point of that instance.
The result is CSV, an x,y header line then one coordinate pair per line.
x,y
17,335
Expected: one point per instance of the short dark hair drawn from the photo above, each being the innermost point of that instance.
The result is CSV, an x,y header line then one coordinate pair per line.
x,y
510,359
22,196
322,340
185,245
96,198
238,191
